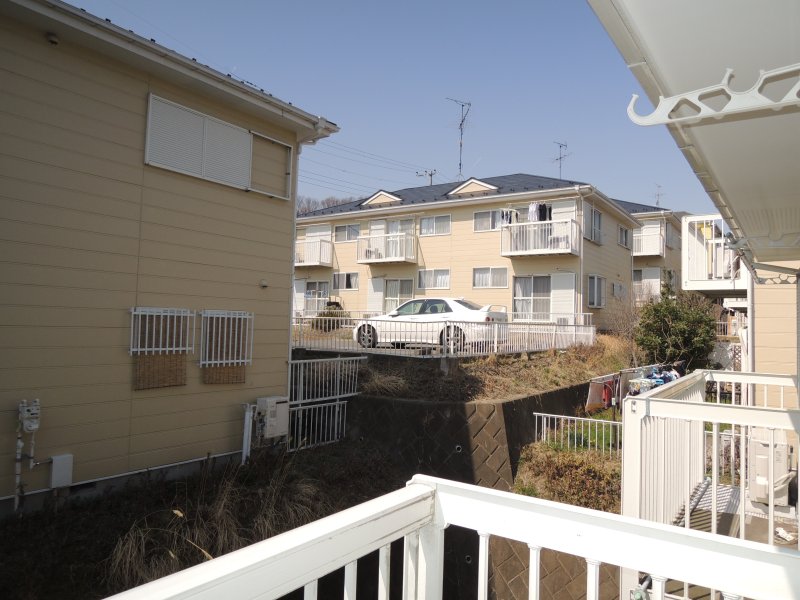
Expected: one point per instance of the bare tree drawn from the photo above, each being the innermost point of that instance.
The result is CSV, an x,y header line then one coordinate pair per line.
x,y
307,204
623,319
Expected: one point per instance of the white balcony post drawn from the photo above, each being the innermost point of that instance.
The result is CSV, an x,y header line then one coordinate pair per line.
x,y
483,566
410,558
592,579
350,575
384,562
534,572
310,590
658,591
431,562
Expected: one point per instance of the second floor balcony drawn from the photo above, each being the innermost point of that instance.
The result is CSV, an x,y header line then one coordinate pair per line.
x,y
709,264
313,253
647,243
539,238
387,248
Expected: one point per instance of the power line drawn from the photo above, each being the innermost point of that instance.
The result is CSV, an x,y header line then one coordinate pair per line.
x,y
350,183
370,154
315,149
427,173
305,158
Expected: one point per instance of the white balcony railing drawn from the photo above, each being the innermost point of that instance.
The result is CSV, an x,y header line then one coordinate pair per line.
x,y
648,244
544,237
708,264
666,458
419,513
389,247
313,253
644,291
434,339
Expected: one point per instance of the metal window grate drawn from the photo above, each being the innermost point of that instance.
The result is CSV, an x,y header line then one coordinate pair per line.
x,y
162,330
226,338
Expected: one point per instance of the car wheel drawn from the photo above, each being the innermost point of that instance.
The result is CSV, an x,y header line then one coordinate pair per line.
x,y
367,337
452,337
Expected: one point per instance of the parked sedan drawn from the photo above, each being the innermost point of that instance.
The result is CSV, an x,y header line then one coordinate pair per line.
x,y
453,323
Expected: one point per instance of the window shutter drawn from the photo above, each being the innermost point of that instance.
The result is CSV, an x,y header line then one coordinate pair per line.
x,y
175,137
562,293
228,151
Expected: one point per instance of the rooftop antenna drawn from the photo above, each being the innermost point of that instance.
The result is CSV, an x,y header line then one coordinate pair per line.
x,y
465,106
659,194
429,173
562,154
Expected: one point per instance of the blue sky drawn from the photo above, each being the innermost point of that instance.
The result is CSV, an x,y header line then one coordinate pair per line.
x,y
535,71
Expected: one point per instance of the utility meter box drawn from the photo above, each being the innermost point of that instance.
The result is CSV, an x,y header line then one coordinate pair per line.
x,y
274,413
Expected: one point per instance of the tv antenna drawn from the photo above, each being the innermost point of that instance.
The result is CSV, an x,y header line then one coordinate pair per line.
x,y
465,106
658,195
429,173
562,154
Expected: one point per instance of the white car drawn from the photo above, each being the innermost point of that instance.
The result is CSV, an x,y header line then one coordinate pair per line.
x,y
452,323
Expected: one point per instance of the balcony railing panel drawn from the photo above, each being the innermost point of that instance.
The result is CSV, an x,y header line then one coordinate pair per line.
x,y
648,244
389,247
708,263
544,237
667,454
420,512
313,253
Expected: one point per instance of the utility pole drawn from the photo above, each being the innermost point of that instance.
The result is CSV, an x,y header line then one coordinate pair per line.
x,y
465,106
562,154
427,173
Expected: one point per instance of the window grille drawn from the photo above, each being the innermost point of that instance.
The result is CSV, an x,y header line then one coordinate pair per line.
x,y
161,330
226,338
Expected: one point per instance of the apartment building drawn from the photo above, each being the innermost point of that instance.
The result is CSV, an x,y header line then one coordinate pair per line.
x,y
544,248
656,250
147,218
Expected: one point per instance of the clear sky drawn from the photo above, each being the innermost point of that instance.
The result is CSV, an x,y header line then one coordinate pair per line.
x,y
535,71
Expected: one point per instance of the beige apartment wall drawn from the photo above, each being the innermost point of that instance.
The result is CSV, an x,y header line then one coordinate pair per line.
x,y
87,232
775,327
609,260
460,251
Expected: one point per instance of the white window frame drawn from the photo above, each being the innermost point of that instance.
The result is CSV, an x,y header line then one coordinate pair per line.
x,y
426,279
593,224
348,228
392,302
348,277
532,298
435,221
494,219
226,338
596,291
492,271
162,330
624,237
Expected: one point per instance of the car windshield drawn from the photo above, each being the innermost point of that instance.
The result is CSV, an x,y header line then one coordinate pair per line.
x,y
469,305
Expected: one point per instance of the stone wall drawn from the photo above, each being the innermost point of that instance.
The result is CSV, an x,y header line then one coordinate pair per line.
x,y
477,443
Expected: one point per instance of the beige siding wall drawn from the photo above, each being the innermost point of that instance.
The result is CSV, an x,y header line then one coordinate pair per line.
x,y
87,231
609,260
775,326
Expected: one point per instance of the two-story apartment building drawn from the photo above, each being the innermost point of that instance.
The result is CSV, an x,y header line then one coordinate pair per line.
x,y
146,232
656,250
544,248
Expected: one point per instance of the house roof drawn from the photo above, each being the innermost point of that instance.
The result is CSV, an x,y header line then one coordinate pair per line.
x,y
429,194
69,25
634,207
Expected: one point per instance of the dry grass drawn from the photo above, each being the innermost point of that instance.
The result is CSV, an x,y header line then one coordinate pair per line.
x,y
588,479
493,377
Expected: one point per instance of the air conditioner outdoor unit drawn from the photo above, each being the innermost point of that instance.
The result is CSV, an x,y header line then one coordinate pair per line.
x,y
758,467
272,416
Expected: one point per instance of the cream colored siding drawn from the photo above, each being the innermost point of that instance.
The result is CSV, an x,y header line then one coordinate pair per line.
x,y
87,231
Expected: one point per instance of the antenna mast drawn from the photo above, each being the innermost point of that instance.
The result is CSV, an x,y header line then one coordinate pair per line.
x,y
659,194
427,173
562,154
465,106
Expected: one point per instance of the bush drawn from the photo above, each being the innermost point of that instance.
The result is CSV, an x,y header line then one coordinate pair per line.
x,y
677,327
329,319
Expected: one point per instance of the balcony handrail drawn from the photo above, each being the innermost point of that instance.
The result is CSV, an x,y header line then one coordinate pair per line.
x,y
421,511
314,252
385,235
556,236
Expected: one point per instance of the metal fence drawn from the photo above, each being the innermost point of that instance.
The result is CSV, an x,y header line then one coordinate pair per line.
x,y
577,433
317,399
416,336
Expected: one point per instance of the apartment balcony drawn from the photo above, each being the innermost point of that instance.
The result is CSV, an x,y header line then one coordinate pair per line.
x,y
418,514
644,291
540,238
387,248
648,244
708,265
313,253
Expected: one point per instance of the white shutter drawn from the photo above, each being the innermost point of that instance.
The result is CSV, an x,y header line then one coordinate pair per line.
x,y
228,151
174,137
562,294
651,281
375,295
318,232
563,210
